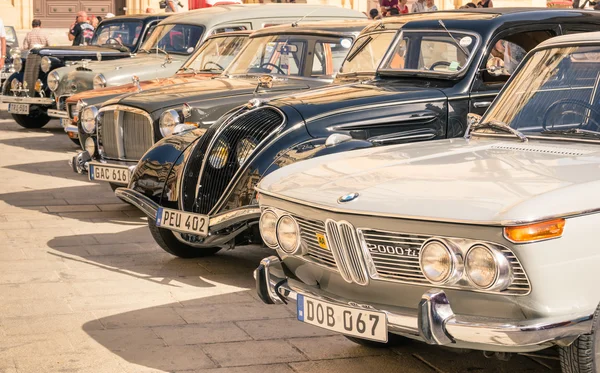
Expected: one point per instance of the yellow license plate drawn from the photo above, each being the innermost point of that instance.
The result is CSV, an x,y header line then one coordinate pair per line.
x,y
322,241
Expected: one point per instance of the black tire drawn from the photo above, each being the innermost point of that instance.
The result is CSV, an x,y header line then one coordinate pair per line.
x,y
76,141
37,119
580,356
167,241
393,340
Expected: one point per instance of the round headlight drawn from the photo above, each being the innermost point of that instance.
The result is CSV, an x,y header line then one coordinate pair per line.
x,y
14,84
219,155
90,146
168,120
268,228
53,81
99,81
436,261
244,148
15,53
17,64
88,119
288,234
46,64
481,267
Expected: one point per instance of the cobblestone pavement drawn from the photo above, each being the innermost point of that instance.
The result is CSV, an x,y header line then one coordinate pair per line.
x,y
84,288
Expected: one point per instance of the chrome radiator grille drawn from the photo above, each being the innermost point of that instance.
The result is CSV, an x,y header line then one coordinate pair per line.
x,y
309,229
342,239
253,126
125,134
32,71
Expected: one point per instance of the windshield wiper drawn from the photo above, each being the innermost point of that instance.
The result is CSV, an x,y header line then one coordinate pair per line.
x,y
453,38
573,131
501,126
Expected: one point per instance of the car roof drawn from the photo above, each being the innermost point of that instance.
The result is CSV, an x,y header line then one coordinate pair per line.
x,y
230,13
141,17
572,39
322,27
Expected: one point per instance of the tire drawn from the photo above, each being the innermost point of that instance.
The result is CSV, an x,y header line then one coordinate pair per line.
x,y
580,356
167,241
37,120
393,340
76,141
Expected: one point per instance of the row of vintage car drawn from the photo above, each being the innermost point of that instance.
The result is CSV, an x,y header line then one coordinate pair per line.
x,y
398,210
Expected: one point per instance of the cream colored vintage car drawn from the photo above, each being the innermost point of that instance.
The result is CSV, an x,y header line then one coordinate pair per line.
x,y
485,242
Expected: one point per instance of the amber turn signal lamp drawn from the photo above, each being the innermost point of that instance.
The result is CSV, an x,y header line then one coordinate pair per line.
x,y
535,231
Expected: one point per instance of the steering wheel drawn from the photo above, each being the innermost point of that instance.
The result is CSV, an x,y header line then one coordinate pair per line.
x,y
275,66
439,63
587,107
115,39
212,63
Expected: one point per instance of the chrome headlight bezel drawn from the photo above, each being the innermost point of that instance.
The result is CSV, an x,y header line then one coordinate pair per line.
x,y
90,146
268,228
451,254
99,81
14,84
46,64
168,121
17,64
244,149
88,117
293,246
502,270
53,81
15,53
219,155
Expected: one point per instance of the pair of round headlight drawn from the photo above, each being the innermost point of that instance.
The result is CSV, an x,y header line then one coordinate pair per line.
x,y
442,263
90,146
53,81
281,231
88,119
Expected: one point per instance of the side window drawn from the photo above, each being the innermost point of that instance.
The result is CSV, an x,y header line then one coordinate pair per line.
x,y
279,57
228,29
328,57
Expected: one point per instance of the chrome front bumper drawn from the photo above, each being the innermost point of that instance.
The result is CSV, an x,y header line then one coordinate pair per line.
x,y
216,222
58,114
27,100
434,321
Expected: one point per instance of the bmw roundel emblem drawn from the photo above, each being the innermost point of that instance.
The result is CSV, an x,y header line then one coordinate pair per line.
x,y
348,197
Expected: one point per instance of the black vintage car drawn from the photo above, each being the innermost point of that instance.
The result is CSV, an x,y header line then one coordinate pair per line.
x,y
198,191
275,60
26,90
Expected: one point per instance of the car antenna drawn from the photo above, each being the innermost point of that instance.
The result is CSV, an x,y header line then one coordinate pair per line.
x,y
453,38
295,23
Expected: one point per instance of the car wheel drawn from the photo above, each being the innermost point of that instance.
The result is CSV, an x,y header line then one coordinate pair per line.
x,y
36,119
169,243
393,340
583,355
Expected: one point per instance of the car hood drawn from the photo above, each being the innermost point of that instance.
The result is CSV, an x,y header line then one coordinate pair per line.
x,y
109,92
81,51
479,181
212,89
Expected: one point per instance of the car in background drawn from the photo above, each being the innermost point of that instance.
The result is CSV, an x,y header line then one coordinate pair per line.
x,y
12,51
30,99
485,242
214,55
276,60
436,68
176,38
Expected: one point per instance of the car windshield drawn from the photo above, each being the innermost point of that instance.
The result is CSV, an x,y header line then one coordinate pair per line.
x,y
174,38
555,93
11,36
215,54
125,33
440,53
289,55
367,52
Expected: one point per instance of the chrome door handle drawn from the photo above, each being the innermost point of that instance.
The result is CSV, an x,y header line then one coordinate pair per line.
x,y
482,104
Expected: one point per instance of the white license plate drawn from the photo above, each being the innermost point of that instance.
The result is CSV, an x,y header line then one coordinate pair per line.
x,y
355,322
182,221
115,174
18,108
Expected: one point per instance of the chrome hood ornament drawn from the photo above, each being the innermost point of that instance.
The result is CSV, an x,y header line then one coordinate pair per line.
x,y
136,82
348,197
265,81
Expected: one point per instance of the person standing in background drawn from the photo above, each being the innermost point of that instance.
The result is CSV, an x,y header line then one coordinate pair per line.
x,y
35,37
82,32
172,6
2,43
402,7
430,6
388,5
487,4
418,6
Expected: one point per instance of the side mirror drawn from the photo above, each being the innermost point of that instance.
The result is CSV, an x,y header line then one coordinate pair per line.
x,y
495,70
473,119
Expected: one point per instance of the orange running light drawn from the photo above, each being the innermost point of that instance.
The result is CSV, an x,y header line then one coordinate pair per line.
x,y
535,231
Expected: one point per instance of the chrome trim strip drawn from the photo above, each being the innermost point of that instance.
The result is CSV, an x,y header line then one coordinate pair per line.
x,y
515,334
143,203
27,100
58,114
393,121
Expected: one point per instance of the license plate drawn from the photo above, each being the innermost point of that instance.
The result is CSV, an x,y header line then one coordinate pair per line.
x,y
116,174
355,322
65,122
18,108
182,221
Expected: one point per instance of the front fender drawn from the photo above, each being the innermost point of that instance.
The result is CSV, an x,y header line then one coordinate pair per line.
x,y
158,171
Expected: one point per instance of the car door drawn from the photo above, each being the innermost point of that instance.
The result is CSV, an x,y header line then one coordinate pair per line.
x,y
502,56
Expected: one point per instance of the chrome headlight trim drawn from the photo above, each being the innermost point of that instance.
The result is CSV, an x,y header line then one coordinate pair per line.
x,y
99,81
53,81
88,119
270,241
167,122
296,245
14,84
18,64
186,111
46,64
502,275
454,255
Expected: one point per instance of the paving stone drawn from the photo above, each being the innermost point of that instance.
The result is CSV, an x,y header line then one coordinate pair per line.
x,y
48,324
281,328
72,208
146,317
191,334
252,353
272,368
334,347
224,312
379,364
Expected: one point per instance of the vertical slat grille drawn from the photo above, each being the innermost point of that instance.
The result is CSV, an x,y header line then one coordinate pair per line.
x,y
32,70
335,244
308,231
253,127
108,132
342,238
192,169
138,136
